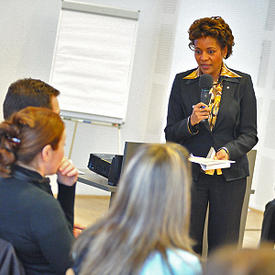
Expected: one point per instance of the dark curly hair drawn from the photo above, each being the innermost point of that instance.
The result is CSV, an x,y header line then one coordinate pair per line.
x,y
215,27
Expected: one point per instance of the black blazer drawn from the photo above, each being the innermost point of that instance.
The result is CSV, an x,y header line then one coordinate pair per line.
x,y
235,128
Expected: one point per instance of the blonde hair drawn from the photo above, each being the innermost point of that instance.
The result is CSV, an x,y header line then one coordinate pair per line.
x,y
150,213
248,261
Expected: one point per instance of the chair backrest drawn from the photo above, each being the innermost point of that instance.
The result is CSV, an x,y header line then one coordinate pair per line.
x,y
251,155
9,263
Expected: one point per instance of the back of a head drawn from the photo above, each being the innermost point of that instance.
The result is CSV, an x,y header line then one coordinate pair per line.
x,y
28,92
150,212
157,173
247,261
24,135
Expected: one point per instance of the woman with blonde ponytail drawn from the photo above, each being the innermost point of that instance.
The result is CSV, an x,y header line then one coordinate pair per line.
x,y
146,229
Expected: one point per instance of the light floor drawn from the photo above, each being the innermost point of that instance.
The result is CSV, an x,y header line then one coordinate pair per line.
x,y
90,208
253,227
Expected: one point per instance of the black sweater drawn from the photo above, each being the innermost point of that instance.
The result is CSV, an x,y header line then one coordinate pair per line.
x,y
34,222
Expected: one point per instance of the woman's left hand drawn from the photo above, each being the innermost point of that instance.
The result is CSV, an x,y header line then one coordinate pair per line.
x,y
222,155
67,173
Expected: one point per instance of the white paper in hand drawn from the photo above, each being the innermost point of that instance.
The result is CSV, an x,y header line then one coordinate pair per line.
x,y
209,162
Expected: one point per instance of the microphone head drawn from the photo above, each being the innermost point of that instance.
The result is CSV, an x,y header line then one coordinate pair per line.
x,y
206,81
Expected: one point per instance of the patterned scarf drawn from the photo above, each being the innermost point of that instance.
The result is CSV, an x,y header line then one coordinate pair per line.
x,y
216,95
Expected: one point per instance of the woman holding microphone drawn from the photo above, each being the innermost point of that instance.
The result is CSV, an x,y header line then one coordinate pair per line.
x,y
228,124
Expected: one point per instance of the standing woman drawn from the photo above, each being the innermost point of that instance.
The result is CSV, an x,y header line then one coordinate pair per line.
x,y
228,124
145,231
32,220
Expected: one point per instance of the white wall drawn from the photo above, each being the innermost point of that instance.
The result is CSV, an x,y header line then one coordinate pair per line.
x,y
264,180
27,32
27,41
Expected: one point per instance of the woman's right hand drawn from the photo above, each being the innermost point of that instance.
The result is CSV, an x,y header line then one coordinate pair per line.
x,y
200,112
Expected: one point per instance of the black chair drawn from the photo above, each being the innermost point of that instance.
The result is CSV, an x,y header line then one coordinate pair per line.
x,y
9,263
268,225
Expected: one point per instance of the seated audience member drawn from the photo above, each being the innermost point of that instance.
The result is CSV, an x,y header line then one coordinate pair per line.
x,y
146,228
30,92
31,147
247,261
34,92
268,224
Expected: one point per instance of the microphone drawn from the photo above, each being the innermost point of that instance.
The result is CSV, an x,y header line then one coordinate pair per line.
x,y
205,83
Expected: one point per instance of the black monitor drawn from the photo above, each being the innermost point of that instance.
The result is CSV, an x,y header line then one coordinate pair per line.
x,y
129,151
119,163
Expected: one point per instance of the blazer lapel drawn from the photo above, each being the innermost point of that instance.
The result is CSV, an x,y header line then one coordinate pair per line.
x,y
226,98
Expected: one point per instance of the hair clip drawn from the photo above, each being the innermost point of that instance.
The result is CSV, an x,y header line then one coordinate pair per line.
x,y
15,140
